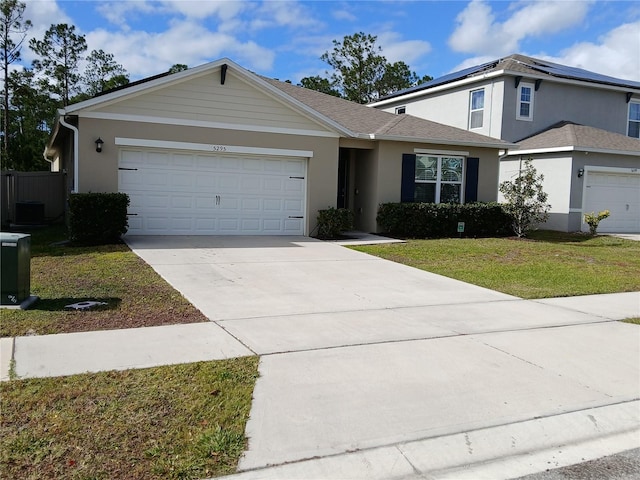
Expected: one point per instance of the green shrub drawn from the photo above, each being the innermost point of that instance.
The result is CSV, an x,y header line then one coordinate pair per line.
x,y
431,220
97,218
334,221
594,220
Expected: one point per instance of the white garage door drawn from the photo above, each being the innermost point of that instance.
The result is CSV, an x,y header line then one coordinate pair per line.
x,y
186,193
620,194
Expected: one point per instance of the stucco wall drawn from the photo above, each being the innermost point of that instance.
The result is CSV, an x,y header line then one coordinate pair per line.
x,y
557,180
390,169
555,102
451,107
98,172
562,184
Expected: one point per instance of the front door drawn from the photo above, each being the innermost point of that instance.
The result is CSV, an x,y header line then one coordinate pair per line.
x,y
343,179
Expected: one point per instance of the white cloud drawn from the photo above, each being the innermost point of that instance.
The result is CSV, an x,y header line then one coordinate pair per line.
x,y
616,54
343,15
223,9
407,51
472,62
42,13
479,33
143,54
272,14
117,13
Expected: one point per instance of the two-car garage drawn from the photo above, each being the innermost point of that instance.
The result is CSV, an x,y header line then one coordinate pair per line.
x,y
191,192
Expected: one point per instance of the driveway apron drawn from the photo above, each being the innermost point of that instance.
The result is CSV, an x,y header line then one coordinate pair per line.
x,y
359,352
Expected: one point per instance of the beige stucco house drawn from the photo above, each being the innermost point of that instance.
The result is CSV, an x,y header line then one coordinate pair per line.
x,y
217,150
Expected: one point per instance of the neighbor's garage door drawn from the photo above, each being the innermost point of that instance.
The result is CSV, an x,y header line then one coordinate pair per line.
x,y
186,193
618,193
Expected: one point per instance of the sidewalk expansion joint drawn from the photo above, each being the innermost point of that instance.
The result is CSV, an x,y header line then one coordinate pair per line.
x,y
217,322
454,334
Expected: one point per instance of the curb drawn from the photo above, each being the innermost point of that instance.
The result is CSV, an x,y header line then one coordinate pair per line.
x,y
504,451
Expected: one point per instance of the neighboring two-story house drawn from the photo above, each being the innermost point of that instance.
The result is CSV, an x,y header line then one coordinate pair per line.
x,y
581,130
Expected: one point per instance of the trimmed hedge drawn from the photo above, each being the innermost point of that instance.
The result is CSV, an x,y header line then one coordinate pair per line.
x,y
431,220
334,221
97,218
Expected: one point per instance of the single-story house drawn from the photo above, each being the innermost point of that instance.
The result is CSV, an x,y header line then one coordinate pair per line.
x,y
217,149
585,170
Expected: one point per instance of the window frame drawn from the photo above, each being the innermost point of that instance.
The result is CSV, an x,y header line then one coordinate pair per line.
x,y
629,120
519,102
472,110
438,180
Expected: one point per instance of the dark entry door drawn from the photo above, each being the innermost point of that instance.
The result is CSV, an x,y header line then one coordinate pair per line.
x,y
343,179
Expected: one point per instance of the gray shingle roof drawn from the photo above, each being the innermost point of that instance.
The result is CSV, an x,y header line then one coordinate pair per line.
x,y
569,134
363,120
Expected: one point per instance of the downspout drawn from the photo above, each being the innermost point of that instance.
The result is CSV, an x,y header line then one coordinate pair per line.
x,y
75,149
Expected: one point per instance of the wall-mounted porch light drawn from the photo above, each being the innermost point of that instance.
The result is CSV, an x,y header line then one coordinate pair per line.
x,y
99,143
580,172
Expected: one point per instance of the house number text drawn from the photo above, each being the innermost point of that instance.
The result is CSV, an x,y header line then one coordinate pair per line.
x,y
218,148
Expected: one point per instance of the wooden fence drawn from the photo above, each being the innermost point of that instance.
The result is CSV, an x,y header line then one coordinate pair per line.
x,y
32,197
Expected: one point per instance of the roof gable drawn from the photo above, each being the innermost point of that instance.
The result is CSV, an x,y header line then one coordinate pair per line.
x,y
217,95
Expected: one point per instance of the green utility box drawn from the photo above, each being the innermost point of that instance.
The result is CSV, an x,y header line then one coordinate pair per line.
x,y
15,260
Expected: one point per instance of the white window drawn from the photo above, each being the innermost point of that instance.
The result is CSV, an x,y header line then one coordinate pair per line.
x,y
401,110
476,108
525,102
438,179
633,129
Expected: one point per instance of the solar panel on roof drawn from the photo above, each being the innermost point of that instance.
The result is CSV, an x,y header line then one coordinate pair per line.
x,y
580,74
442,80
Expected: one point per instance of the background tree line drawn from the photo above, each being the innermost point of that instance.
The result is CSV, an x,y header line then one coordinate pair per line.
x,y
31,96
63,74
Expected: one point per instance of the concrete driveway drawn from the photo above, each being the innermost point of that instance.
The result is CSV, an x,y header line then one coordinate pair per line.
x,y
362,354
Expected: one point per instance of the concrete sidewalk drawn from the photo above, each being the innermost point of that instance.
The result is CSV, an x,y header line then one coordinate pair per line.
x,y
82,352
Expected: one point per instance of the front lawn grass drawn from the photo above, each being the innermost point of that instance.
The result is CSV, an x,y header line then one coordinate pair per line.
x,y
548,264
135,295
175,422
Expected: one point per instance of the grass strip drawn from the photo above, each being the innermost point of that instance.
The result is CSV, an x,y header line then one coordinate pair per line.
x,y
549,264
135,295
176,422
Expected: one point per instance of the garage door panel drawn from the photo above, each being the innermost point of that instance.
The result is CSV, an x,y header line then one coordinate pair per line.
x,y
250,205
251,183
293,205
173,192
292,225
156,159
272,205
293,167
273,166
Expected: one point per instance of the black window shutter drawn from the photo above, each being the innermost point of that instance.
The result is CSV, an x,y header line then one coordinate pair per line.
x,y
471,187
408,184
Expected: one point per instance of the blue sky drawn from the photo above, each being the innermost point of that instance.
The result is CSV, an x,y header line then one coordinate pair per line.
x,y
284,38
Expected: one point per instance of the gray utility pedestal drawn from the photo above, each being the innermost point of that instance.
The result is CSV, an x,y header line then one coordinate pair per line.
x,y
15,259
